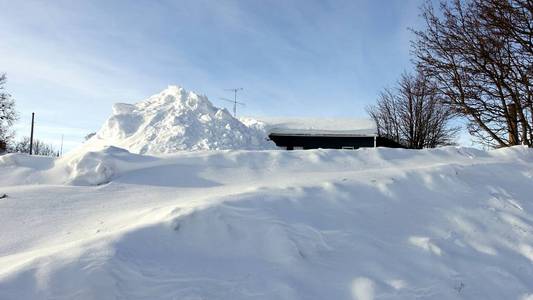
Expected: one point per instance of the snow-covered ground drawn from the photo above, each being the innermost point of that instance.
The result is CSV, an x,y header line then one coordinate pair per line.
x,y
187,222
451,223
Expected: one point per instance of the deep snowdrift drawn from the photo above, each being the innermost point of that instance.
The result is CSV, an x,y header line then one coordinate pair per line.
x,y
452,223
175,120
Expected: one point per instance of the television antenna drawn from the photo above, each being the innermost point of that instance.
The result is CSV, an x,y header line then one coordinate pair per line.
x,y
234,101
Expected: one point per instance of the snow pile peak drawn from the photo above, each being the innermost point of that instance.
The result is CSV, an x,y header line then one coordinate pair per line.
x,y
173,120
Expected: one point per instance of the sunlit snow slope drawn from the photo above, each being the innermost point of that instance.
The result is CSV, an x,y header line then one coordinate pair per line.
x,y
452,223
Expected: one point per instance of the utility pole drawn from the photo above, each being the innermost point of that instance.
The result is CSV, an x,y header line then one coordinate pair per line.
x,y
234,101
61,151
31,135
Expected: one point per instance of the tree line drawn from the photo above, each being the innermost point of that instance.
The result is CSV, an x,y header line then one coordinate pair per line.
x,y
473,62
8,116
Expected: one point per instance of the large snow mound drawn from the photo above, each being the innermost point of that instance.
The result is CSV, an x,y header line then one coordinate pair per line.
x,y
174,120
450,223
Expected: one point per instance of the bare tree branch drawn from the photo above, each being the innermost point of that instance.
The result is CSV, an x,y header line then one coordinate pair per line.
x,y
8,115
479,55
413,114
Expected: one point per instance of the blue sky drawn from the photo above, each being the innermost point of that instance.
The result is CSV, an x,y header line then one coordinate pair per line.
x,y
69,61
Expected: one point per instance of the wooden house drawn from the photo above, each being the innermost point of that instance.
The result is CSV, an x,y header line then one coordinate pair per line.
x,y
312,133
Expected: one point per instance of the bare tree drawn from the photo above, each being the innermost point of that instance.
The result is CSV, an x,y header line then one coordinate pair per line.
x,y
8,114
479,56
412,114
39,147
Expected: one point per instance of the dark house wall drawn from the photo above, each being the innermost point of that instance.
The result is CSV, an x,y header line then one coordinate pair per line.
x,y
385,142
329,141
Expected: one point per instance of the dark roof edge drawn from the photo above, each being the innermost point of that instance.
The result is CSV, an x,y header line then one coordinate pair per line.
x,y
323,134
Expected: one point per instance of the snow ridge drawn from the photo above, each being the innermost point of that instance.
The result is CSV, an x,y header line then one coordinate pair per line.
x,y
374,223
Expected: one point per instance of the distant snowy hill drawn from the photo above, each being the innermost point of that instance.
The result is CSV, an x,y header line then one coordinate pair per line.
x,y
174,120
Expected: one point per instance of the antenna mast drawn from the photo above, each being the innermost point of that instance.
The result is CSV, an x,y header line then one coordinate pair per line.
x,y
235,90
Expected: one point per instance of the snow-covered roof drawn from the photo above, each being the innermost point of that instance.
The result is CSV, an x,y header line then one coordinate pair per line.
x,y
319,126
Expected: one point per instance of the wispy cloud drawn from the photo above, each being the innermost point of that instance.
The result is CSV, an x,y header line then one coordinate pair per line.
x,y
70,60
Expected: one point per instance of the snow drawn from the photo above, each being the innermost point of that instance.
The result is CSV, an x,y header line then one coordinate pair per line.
x,y
316,126
175,120
376,223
